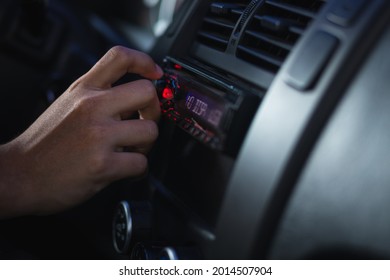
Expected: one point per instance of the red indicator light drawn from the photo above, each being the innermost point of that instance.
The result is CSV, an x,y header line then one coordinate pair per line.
x,y
177,66
167,93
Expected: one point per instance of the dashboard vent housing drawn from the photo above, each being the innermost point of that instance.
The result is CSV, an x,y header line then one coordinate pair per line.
x,y
273,31
219,23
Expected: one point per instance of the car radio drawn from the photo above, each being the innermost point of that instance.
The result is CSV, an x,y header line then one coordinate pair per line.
x,y
209,108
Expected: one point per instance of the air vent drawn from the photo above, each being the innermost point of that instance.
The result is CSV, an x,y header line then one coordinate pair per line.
x,y
273,31
219,23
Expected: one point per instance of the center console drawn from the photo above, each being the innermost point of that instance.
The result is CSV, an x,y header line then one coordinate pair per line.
x,y
247,90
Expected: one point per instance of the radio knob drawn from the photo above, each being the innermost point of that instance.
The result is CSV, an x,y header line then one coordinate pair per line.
x,y
160,85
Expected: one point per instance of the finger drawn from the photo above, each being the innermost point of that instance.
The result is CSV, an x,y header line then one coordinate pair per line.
x,y
131,97
117,62
127,165
135,133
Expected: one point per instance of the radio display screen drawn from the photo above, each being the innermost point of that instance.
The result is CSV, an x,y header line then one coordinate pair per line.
x,y
203,108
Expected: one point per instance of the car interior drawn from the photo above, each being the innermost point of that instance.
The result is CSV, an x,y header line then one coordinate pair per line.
x,y
274,138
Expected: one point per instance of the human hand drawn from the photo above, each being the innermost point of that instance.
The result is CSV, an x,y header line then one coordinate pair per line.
x,y
76,147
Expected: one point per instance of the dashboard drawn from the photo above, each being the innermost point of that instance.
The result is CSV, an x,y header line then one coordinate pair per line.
x,y
274,137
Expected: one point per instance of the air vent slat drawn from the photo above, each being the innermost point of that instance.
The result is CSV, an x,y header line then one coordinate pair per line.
x,y
294,9
278,23
296,30
237,11
264,31
220,23
221,8
262,56
270,40
213,37
273,31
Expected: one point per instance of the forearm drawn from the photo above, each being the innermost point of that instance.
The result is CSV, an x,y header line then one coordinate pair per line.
x,y
11,186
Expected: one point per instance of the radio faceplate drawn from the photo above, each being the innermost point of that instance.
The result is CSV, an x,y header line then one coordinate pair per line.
x,y
211,110
204,121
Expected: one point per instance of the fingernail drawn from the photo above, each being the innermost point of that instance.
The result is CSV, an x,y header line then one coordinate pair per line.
x,y
158,69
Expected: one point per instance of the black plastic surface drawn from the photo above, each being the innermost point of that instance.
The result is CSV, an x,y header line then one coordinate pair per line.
x,y
281,138
345,12
311,60
341,205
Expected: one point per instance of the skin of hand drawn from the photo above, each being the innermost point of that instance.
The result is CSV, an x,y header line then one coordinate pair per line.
x,y
76,147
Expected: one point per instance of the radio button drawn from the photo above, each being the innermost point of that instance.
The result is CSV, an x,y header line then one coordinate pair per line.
x,y
202,137
186,125
196,132
168,93
167,105
176,116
